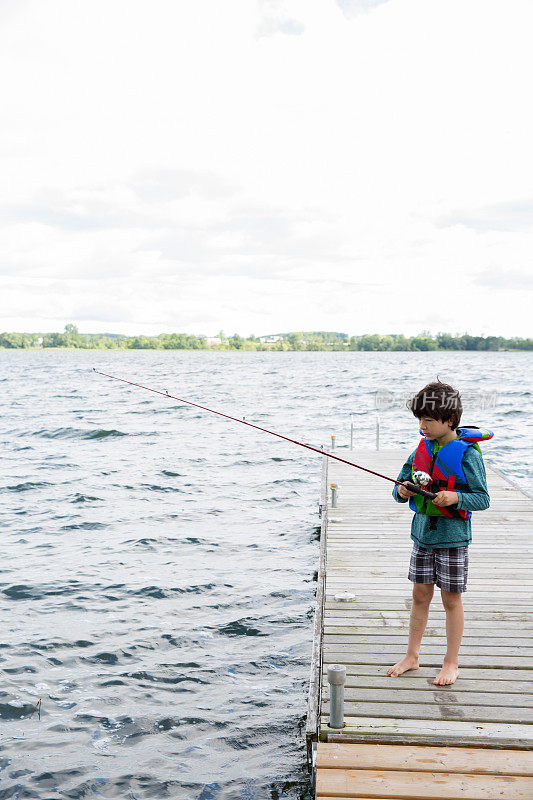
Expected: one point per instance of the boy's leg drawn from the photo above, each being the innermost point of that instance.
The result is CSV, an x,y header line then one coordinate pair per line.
x,y
453,605
422,594
451,566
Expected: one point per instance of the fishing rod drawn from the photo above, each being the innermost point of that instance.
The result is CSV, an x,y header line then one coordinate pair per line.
x,y
410,486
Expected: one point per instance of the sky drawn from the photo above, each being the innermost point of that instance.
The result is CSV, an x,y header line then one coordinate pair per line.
x,y
262,166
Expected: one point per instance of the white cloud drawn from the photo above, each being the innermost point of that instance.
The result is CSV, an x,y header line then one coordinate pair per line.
x,y
515,215
353,7
275,18
200,166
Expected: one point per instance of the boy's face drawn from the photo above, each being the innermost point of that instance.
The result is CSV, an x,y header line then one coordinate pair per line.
x,y
434,428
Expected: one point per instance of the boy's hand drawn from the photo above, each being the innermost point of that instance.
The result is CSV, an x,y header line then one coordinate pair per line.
x,y
403,492
445,498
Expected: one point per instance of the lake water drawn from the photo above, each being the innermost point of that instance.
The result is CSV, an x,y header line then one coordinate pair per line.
x,y
158,562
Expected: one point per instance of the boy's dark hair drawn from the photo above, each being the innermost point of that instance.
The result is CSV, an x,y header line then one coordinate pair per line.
x,y
439,401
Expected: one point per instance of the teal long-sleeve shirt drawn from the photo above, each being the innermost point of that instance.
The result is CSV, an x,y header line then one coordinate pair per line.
x,y
450,532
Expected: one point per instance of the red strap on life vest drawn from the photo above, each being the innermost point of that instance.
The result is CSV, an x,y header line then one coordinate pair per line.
x,y
451,483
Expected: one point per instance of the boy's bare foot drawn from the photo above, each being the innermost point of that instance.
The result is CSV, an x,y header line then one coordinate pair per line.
x,y
447,675
407,663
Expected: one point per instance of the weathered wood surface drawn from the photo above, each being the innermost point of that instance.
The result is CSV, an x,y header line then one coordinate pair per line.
x,y
474,760
414,772
433,710
368,547
361,783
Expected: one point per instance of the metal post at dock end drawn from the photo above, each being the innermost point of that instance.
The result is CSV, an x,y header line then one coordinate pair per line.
x,y
333,441
334,487
377,432
336,680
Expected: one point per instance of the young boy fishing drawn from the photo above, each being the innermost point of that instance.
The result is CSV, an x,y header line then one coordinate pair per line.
x,y
450,458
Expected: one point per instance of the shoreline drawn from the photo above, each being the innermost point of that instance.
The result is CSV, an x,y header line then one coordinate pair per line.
x,y
244,350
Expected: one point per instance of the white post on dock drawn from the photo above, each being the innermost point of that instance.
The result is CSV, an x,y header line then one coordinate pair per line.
x,y
333,441
377,432
334,487
336,680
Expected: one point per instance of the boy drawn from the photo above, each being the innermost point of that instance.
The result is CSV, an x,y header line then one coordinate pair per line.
x,y
440,528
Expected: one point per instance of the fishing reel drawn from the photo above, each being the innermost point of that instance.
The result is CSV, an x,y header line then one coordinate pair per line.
x,y
421,478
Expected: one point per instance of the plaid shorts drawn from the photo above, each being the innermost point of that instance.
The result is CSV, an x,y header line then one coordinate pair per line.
x,y
445,566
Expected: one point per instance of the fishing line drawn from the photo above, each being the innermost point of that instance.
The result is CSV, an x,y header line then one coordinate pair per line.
x,y
410,487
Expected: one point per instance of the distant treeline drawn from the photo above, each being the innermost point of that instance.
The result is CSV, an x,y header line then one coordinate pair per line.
x,y
313,340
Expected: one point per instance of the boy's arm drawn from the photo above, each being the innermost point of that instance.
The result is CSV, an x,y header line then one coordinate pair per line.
x,y
477,497
405,475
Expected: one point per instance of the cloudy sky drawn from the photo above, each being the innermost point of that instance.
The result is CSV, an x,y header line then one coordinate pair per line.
x,y
266,165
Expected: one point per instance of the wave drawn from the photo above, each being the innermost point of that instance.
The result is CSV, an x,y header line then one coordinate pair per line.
x,y
240,627
25,487
22,591
85,498
84,526
78,433
102,658
103,434
147,676
154,487
159,593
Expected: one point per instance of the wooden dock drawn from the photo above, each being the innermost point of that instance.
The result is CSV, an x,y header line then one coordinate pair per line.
x,y
406,738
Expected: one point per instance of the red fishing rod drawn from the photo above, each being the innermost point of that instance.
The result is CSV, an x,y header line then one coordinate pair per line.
x,y
411,486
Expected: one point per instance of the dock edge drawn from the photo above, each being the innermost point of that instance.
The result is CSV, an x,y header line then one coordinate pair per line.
x,y
315,682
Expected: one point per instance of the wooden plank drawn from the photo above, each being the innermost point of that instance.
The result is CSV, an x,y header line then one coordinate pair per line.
x,y
517,733
409,785
396,693
348,645
473,760
367,570
441,710
359,608
478,619
334,634
496,675
402,607
518,582
481,562
385,614
400,584
399,633
411,681
352,533
350,656
436,627
342,539
366,578
341,553
342,584
381,597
